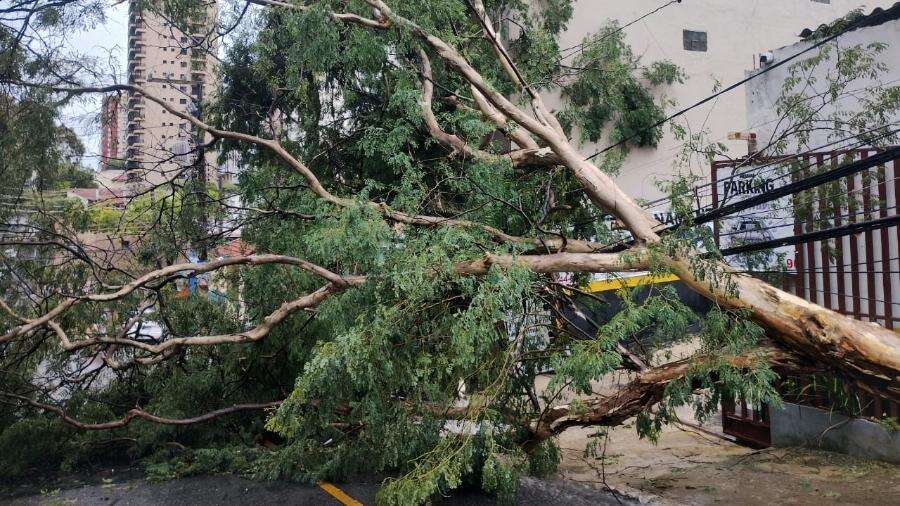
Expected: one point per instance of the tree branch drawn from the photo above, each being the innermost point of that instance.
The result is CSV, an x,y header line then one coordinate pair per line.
x,y
135,413
631,260
255,334
644,391
197,268
540,156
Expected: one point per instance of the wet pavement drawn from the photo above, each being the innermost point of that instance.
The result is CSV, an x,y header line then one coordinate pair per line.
x,y
230,489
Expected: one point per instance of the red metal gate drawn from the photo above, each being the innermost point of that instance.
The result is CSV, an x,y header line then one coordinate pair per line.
x,y
748,424
854,274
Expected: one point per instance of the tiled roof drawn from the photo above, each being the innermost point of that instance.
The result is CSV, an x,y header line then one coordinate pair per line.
x,y
234,248
95,194
855,18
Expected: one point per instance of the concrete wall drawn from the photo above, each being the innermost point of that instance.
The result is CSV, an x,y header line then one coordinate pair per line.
x,y
764,90
796,425
762,94
737,32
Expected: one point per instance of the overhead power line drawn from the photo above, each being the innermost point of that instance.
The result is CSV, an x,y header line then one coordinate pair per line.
x,y
803,184
747,79
795,187
584,45
777,162
818,235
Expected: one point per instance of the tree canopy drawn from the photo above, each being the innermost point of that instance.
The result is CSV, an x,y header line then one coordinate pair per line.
x,y
420,224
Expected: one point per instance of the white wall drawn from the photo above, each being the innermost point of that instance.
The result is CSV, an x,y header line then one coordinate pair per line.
x,y
765,89
737,31
762,93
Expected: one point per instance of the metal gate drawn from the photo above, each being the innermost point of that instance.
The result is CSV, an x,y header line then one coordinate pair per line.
x,y
748,424
854,273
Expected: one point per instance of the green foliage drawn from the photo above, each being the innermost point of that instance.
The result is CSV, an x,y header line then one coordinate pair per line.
x,y
373,377
890,423
244,460
606,91
832,75
662,313
32,443
723,334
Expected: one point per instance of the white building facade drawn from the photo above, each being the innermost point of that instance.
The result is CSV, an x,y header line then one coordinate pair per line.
x,y
852,272
714,42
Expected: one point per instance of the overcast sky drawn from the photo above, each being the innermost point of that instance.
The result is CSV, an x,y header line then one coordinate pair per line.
x,y
108,44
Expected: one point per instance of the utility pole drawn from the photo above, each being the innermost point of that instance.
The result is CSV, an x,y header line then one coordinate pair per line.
x,y
199,182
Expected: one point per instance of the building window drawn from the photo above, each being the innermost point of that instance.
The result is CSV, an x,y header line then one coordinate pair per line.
x,y
182,101
694,41
822,1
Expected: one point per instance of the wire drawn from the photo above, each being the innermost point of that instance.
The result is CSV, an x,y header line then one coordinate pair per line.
x,y
679,146
583,45
852,228
780,161
819,212
747,79
802,184
799,169
852,297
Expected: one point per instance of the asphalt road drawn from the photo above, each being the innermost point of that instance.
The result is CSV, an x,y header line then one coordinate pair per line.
x,y
231,490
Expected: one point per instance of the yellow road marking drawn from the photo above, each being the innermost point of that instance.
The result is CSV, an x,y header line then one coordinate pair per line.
x,y
339,494
630,282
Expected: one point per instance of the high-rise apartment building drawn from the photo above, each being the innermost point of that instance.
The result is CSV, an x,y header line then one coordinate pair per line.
x,y
175,61
112,132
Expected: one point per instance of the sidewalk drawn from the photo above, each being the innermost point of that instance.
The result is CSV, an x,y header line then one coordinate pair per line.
x,y
692,467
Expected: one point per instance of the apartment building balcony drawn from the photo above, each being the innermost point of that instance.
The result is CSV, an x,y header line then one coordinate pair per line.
x,y
135,101
136,63
135,16
135,115
135,51
135,139
135,34
136,77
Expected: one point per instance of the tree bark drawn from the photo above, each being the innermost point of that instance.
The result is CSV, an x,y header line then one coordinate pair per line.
x,y
866,352
643,392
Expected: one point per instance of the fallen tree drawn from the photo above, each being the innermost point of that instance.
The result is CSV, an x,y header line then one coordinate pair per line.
x,y
411,259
